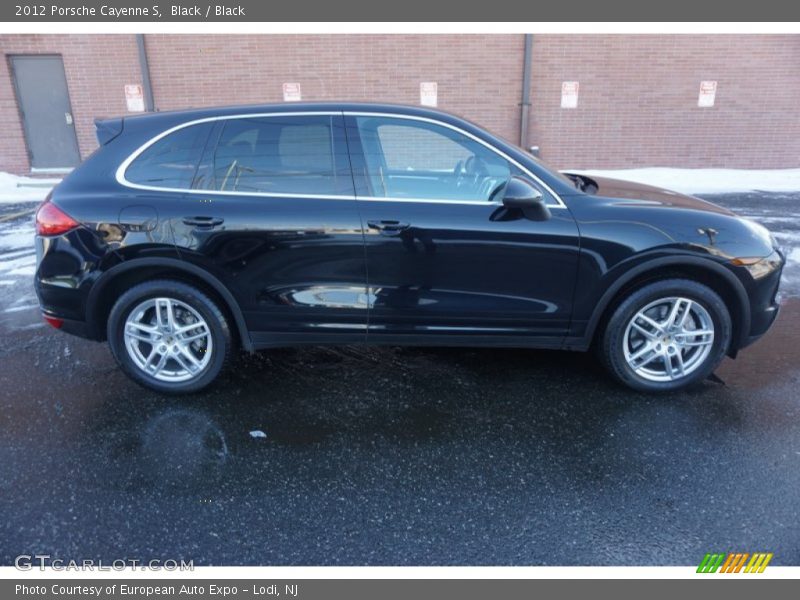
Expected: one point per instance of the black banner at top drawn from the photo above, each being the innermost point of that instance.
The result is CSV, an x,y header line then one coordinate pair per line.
x,y
388,11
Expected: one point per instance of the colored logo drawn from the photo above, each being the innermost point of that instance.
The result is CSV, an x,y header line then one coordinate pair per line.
x,y
735,562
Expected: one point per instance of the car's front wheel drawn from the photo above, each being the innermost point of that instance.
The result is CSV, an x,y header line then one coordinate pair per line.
x,y
169,336
666,335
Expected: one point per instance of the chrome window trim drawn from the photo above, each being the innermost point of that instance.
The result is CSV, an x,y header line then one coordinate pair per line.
x,y
120,172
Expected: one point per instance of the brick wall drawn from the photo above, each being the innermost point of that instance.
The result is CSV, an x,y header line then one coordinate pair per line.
x,y
478,76
637,104
638,100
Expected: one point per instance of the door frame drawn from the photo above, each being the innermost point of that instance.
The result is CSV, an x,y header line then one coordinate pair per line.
x,y
21,112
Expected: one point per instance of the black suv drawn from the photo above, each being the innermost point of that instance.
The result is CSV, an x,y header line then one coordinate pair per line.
x,y
189,234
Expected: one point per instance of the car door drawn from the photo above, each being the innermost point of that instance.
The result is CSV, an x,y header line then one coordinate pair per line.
x,y
272,214
444,257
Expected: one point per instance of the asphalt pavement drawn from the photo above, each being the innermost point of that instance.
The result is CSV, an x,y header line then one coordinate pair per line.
x,y
367,456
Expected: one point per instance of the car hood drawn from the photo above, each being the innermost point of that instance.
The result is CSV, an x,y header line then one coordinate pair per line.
x,y
650,195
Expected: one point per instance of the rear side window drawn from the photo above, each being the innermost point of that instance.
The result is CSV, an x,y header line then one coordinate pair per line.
x,y
171,161
280,154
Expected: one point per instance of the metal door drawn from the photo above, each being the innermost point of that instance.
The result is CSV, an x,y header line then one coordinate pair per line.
x,y
43,100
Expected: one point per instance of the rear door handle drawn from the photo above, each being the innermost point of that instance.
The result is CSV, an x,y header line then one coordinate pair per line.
x,y
388,227
203,222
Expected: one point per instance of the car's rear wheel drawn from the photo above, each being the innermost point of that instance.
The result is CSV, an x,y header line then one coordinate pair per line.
x,y
169,336
666,335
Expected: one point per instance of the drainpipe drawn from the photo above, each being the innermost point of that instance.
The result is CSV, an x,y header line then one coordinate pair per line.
x,y
525,105
147,88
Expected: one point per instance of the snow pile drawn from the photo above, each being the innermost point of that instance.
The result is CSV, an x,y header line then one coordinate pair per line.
x,y
15,188
707,181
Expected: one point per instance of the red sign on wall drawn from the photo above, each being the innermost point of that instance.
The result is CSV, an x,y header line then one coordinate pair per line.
x,y
134,98
708,94
569,94
291,92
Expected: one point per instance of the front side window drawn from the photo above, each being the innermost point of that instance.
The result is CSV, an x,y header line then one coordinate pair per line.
x,y
420,160
171,161
280,154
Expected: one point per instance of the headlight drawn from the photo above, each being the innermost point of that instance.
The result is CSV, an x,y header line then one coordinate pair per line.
x,y
760,267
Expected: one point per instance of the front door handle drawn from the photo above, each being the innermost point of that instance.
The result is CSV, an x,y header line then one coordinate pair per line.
x,y
388,227
203,222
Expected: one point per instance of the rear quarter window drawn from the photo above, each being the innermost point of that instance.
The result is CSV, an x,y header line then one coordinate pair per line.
x,y
171,161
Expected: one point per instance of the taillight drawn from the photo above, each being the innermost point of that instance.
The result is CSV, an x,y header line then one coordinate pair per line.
x,y
51,220
54,321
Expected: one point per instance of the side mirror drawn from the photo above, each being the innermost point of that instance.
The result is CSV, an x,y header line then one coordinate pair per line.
x,y
521,194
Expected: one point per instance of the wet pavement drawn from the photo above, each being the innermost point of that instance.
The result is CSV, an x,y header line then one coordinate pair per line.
x,y
396,456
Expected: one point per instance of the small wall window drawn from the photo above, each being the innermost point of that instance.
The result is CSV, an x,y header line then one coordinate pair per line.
x,y
171,161
291,155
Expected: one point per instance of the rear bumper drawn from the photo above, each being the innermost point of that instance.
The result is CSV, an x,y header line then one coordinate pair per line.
x,y
71,326
64,274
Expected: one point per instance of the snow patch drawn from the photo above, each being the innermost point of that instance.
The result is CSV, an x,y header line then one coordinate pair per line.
x,y
7,266
15,189
20,308
706,181
17,239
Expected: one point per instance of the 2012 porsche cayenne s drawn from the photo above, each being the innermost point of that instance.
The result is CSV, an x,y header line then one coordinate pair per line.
x,y
190,234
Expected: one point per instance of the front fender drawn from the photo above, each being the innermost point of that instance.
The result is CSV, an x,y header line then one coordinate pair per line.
x,y
623,274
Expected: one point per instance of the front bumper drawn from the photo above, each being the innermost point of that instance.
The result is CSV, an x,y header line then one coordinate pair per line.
x,y
764,296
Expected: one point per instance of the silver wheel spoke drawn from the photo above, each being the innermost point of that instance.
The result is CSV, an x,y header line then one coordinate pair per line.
x,y
150,357
643,356
170,315
645,332
190,327
655,328
676,317
695,338
682,323
681,367
142,338
647,360
160,315
142,327
695,332
195,336
186,361
161,364
645,348
697,344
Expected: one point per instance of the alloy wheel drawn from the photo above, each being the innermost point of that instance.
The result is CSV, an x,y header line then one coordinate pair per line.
x,y
668,339
168,340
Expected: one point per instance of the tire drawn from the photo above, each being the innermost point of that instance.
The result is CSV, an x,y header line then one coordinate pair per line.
x,y
139,330
646,351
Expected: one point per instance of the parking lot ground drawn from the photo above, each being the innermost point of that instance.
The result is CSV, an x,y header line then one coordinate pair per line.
x,y
396,455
